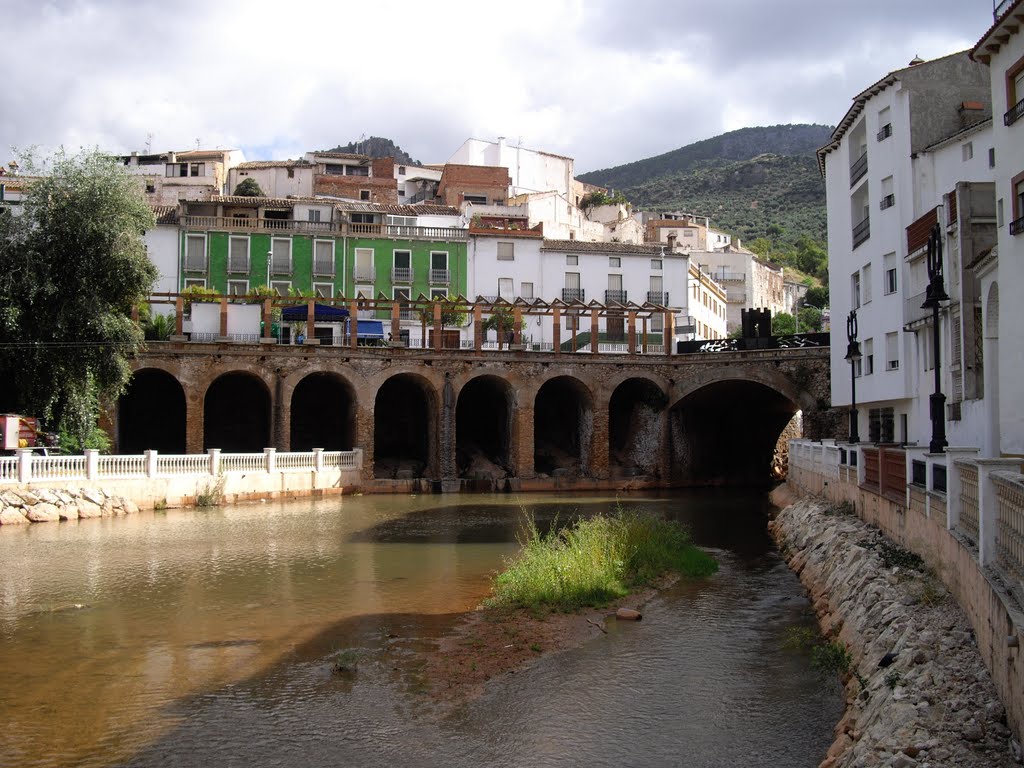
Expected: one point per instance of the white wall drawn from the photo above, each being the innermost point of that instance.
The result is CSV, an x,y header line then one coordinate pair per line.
x,y
275,181
162,249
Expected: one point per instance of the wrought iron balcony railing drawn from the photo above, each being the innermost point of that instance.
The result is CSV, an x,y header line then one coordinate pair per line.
x,y
658,297
439,277
1016,227
887,202
858,169
401,274
862,231
364,274
573,294
885,132
323,267
617,296
1014,114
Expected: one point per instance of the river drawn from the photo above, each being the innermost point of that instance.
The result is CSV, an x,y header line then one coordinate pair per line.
x,y
207,637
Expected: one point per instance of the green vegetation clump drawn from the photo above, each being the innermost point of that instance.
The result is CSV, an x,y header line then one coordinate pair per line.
x,y
597,560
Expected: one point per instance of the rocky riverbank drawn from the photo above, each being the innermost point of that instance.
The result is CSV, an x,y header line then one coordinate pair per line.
x,y
43,505
918,693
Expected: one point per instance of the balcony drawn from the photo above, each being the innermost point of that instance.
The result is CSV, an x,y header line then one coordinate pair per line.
x,y
407,232
912,311
573,294
238,265
729,277
1014,114
858,169
439,277
401,274
364,274
615,296
1016,227
885,133
233,224
887,202
280,266
658,297
736,297
323,267
999,7
862,231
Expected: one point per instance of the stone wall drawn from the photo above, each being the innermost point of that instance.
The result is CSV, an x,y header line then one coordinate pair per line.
x,y
44,505
918,692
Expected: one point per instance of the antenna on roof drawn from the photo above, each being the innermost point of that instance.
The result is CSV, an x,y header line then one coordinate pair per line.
x,y
149,143
197,143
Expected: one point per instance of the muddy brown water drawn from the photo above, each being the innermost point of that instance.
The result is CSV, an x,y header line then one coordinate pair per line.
x,y
208,637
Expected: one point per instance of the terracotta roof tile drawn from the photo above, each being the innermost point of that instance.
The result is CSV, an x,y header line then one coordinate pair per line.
x,y
582,246
275,164
165,214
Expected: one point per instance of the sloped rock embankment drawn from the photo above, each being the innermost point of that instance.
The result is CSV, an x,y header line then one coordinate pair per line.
x,y
923,697
43,505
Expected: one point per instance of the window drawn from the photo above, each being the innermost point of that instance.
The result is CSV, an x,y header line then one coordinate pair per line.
x,y
655,263
195,282
362,218
475,199
364,194
855,290
150,187
889,262
401,170
291,173
615,261
967,150
195,253
323,290
401,295
866,284
364,264
439,267
881,425
526,290
438,293
314,215
280,256
506,289
357,170
238,255
992,157
364,291
888,198
572,260
238,287
281,287
869,356
892,352
506,252
401,270
323,257
884,124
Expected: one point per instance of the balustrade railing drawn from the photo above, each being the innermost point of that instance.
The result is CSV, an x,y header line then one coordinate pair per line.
x,y
28,467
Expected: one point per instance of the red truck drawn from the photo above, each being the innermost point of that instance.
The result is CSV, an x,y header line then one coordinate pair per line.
x,y
23,432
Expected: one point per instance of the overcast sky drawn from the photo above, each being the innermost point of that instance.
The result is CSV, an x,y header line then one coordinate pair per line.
x,y
604,82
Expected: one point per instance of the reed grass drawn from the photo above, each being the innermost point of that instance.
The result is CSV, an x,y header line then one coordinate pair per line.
x,y
596,560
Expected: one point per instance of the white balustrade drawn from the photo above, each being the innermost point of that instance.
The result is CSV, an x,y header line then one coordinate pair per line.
x,y
121,466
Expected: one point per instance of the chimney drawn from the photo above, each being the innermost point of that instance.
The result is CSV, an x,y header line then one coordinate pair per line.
x,y
971,112
672,242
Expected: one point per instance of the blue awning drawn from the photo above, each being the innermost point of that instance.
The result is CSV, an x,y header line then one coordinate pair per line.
x,y
322,313
370,329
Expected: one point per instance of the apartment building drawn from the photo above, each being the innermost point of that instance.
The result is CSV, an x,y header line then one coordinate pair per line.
x,y
276,178
748,281
892,171
1001,271
188,175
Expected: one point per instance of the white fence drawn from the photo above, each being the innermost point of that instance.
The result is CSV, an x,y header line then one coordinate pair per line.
x,y
983,498
27,467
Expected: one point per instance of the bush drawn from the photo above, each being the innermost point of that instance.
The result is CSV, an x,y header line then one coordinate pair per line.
x,y
597,560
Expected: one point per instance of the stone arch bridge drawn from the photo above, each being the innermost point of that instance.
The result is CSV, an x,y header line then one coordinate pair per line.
x,y
469,419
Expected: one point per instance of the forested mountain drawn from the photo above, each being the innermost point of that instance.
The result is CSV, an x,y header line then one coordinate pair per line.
x,y
376,146
754,182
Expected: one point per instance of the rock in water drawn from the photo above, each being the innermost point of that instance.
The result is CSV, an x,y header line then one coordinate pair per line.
x,y
628,614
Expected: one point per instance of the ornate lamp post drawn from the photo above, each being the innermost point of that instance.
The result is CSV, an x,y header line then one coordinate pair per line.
x,y
853,355
934,296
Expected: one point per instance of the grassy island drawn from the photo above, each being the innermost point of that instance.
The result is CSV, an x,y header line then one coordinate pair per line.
x,y
597,560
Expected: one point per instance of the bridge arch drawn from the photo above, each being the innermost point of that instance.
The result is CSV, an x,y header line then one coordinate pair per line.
x,y
563,427
151,414
636,417
405,428
724,429
485,428
237,413
322,410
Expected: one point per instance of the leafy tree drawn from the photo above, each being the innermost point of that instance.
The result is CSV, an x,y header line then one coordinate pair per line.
x,y
452,312
783,324
502,318
72,265
809,319
249,188
816,296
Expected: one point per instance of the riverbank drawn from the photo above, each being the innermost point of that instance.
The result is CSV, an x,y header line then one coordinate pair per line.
x,y
918,692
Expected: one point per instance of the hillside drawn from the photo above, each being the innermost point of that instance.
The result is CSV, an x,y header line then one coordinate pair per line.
x,y
376,146
754,182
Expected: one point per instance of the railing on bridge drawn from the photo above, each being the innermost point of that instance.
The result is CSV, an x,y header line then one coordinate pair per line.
x,y
27,467
796,341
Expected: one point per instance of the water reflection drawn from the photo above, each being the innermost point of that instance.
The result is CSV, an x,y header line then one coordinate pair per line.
x,y
207,637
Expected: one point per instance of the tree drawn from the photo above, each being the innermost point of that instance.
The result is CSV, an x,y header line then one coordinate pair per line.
x,y
72,265
249,188
816,296
809,320
783,324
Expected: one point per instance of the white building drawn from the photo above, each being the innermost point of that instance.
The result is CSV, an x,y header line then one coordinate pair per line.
x,y
277,178
892,170
530,170
749,281
190,175
1001,49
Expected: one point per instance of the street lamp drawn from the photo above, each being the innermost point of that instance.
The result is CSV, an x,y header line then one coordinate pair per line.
x,y
853,356
934,296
